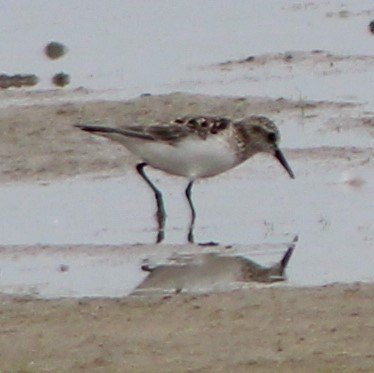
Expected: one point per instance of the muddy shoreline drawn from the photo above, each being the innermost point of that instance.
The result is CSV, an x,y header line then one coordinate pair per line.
x,y
327,329
39,142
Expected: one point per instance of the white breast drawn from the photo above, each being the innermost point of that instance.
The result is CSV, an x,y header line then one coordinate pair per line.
x,y
193,157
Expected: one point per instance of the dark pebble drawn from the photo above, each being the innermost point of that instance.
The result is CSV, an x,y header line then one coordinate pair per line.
x,y
18,80
288,57
371,27
250,59
61,79
55,50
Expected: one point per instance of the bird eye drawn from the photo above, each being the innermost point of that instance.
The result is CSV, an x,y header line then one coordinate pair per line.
x,y
272,138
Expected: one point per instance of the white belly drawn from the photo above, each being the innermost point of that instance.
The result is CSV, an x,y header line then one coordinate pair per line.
x,y
193,157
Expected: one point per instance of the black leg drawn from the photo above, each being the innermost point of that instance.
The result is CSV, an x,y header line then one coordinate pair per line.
x,y
160,214
193,213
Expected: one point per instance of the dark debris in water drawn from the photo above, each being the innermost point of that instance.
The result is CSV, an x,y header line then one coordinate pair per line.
x,y
55,50
61,79
371,27
18,80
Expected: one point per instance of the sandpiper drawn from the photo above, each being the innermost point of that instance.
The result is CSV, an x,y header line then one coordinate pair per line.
x,y
195,147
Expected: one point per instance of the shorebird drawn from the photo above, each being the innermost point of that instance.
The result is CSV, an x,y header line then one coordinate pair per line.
x,y
194,147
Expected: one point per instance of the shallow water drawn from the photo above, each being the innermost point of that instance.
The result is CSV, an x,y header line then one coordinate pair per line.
x,y
328,205
141,52
327,210
107,271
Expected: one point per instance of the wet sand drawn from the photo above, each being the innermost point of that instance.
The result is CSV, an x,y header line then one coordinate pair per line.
x,y
326,329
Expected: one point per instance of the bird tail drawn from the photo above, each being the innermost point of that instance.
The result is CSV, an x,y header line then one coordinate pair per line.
x,y
97,129
112,133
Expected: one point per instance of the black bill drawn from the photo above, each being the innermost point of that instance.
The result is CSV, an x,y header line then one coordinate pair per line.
x,y
279,155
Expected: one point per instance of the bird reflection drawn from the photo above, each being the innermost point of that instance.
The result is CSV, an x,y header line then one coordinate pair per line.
x,y
209,270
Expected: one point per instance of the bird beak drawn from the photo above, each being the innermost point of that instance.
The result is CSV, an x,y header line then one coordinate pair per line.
x,y
279,155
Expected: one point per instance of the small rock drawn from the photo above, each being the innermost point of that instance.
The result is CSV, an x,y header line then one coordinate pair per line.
x,y
55,50
18,80
63,268
250,59
371,27
61,79
288,57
